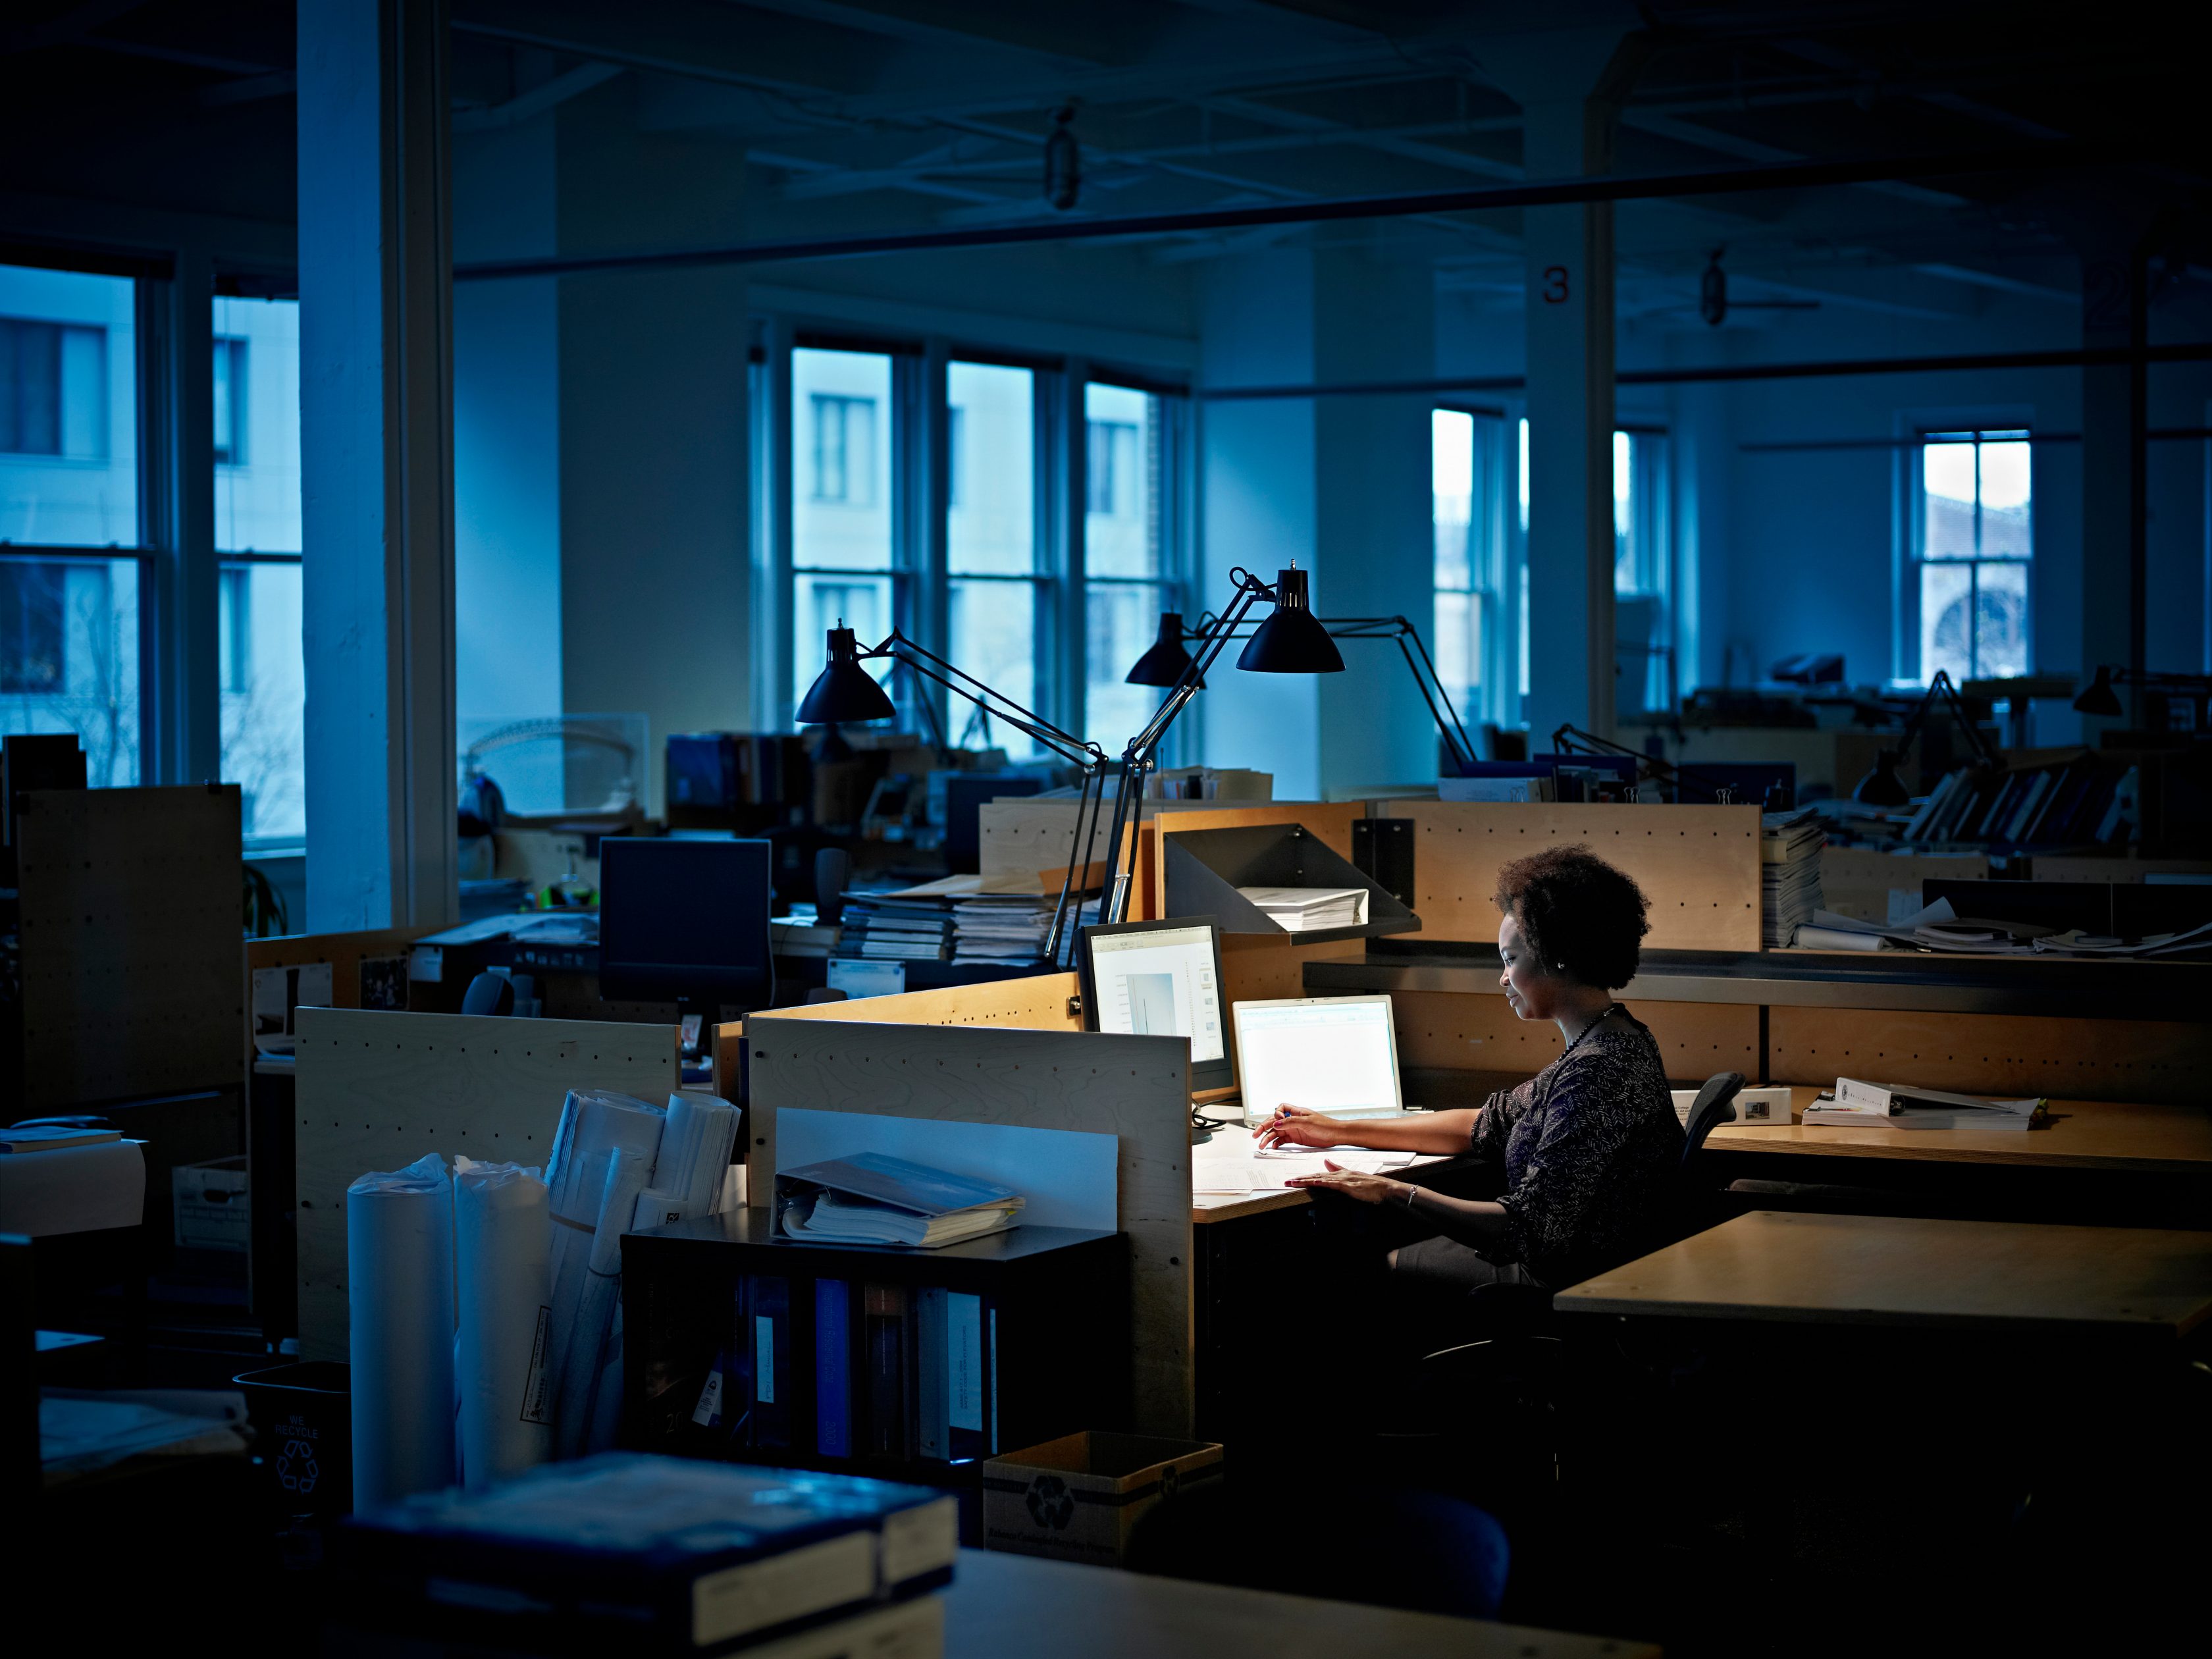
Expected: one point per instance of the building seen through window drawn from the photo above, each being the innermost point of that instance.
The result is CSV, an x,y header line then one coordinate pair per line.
x,y
841,523
69,513
1974,543
1128,555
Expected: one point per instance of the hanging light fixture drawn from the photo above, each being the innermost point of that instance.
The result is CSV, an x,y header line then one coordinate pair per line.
x,y
1164,660
1063,161
844,690
1291,640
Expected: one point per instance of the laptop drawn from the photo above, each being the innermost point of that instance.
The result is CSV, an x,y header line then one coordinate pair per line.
x,y
1333,1054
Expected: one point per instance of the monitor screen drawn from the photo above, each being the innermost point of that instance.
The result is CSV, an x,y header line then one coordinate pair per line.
x,y
1160,979
684,921
1327,1054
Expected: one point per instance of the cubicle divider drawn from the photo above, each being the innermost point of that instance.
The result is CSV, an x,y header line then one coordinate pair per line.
x,y
377,1089
1135,1088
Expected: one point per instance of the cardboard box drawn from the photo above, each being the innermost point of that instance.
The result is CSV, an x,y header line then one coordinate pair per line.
x,y
211,1205
1078,1497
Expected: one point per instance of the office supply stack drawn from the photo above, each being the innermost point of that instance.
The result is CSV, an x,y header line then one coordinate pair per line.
x,y
747,1346
1304,909
1789,846
900,927
996,928
1858,1104
648,1555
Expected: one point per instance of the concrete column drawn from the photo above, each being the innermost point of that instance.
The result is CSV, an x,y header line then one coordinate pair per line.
x,y
2115,471
1568,83
181,612
376,462
656,612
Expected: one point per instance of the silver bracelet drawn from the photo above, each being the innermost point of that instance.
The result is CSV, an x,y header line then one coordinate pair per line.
x,y
1410,1191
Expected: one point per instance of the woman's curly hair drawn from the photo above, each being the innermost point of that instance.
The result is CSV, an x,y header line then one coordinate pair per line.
x,y
1581,917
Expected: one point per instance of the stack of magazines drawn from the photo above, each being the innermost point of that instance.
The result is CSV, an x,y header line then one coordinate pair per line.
x,y
898,927
1000,928
1789,846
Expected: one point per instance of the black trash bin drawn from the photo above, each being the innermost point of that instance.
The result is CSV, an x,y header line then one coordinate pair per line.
x,y
302,1418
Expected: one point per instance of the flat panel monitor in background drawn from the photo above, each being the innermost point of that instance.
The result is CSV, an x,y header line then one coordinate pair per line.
x,y
1160,979
685,920
966,794
1334,1055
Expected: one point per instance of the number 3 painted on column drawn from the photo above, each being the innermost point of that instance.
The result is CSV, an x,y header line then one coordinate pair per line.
x,y
1555,285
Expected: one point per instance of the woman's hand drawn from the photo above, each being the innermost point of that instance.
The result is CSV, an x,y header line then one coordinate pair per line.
x,y
1367,1188
1294,1125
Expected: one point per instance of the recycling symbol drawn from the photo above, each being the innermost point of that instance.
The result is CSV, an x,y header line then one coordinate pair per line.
x,y
1170,1481
1051,1503
296,1468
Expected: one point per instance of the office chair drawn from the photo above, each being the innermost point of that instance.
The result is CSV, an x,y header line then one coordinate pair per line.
x,y
488,994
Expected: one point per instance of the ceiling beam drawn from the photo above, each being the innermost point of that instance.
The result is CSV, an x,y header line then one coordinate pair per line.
x,y
699,39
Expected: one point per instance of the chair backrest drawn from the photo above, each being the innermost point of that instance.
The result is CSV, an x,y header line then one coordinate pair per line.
x,y
1714,1104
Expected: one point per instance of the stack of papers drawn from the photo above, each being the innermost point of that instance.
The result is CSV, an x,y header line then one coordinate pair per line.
x,y
1936,928
1302,909
1894,1106
1790,895
1001,927
2075,942
901,927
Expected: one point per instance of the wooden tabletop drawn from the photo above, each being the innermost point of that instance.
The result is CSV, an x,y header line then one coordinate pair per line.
x,y
1892,1270
2084,1134
1005,1604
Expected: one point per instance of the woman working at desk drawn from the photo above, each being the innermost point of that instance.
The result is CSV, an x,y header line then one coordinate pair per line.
x,y
1589,1146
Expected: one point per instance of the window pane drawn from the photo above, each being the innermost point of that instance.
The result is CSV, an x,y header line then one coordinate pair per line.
x,y
993,623
1458,646
2001,620
69,401
819,603
1451,495
1121,621
2006,502
257,426
1521,474
1625,562
69,658
1946,627
1946,481
841,451
263,679
992,521
1121,530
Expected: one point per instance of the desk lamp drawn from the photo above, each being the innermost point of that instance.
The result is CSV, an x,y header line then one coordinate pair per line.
x,y
1882,787
2098,698
1163,663
844,691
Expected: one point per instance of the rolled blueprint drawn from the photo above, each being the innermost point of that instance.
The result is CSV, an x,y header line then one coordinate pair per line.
x,y
596,1124
503,1358
656,1209
694,1149
399,1278
591,1327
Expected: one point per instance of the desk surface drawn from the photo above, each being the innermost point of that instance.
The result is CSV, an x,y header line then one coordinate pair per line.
x,y
1018,1604
1889,1270
2084,1134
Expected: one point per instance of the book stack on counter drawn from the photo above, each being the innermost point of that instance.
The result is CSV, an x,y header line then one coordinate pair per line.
x,y
1001,927
1305,910
637,1554
901,927
802,935
1789,846
1891,1106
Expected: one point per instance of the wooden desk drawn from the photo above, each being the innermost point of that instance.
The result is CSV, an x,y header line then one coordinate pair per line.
x,y
2005,1277
2117,1136
1018,1604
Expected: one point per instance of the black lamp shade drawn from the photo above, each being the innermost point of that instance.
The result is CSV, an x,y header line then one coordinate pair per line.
x,y
2099,698
844,691
1165,661
1291,640
1882,787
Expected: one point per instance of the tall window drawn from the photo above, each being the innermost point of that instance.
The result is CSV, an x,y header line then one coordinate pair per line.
x,y
1974,540
68,484
262,670
1642,577
841,559
1128,552
1476,642
996,589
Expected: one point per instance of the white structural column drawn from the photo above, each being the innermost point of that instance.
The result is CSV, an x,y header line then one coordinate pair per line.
x,y
2115,478
376,462
1568,83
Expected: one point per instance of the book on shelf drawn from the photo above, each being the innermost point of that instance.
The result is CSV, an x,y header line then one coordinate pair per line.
x,y
832,1368
650,1551
884,1400
768,1344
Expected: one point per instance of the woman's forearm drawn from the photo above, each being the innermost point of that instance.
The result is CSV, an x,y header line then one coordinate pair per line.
x,y
1473,1222
1419,1132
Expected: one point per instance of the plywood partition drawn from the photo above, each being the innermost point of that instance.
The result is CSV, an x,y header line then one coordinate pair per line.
x,y
376,1091
1443,1030
345,952
2002,1055
1328,822
1135,1088
1698,865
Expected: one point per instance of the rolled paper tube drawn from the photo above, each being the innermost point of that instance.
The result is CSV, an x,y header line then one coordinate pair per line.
x,y
502,1359
399,1280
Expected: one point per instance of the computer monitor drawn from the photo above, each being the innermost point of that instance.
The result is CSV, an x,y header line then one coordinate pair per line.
x,y
685,920
1159,978
966,794
1335,1054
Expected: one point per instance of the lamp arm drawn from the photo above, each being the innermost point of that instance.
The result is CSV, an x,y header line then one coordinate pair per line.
x,y
1958,706
1569,737
927,666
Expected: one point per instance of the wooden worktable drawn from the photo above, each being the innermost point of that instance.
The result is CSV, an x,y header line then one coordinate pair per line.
x,y
1017,1604
1895,1271
2084,1134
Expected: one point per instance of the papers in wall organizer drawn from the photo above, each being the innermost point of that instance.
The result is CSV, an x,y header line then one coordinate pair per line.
x,y
1302,909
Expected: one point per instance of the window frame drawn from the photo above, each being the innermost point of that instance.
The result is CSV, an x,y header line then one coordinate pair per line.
x,y
1922,434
